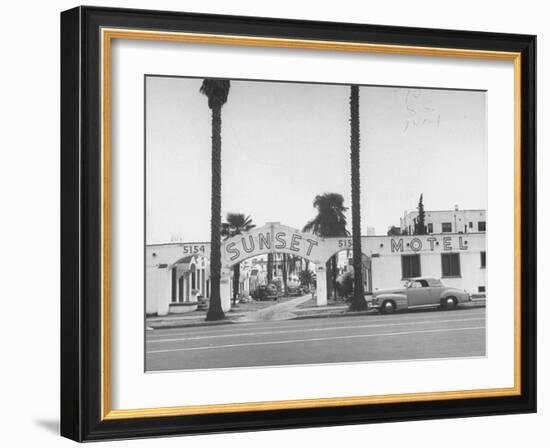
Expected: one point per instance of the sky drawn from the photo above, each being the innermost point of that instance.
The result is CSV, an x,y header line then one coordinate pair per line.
x,y
285,143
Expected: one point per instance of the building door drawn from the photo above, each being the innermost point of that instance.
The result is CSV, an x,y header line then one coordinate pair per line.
x,y
180,289
174,284
367,274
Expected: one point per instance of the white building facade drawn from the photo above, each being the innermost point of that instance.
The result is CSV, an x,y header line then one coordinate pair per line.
x,y
458,259
447,221
178,274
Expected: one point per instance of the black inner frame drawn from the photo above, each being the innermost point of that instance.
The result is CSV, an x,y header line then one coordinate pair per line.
x,y
81,221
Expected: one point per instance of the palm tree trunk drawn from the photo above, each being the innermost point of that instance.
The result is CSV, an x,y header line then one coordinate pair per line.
x,y
269,268
358,302
284,272
215,311
236,282
334,274
328,275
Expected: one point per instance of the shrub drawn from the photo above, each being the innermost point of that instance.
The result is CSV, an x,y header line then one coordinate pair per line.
x,y
345,284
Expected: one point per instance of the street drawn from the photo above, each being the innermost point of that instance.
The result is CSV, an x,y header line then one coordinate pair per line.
x,y
408,335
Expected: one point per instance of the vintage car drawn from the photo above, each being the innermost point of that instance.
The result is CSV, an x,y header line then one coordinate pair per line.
x,y
266,292
295,290
419,292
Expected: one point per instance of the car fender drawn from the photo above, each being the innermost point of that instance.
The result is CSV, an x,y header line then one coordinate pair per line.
x,y
399,299
460,295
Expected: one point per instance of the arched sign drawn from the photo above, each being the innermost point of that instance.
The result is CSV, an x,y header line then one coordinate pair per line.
x,y
271,238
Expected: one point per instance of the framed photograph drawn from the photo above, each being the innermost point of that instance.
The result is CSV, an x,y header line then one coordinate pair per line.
x,y
272,224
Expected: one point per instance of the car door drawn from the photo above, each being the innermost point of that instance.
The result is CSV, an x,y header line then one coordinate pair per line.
x,y
436,292
418,293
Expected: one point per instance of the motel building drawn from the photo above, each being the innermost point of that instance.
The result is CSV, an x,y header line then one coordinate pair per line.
x,y
178,274
447,221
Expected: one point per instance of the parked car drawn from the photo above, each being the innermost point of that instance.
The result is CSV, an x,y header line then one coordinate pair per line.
x,y
266,292
419,292
295,290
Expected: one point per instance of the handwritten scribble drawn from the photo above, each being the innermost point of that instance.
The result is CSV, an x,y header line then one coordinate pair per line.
x,y
419,114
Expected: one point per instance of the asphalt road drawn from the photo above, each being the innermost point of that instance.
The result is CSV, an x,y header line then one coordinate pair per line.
x,y
412,335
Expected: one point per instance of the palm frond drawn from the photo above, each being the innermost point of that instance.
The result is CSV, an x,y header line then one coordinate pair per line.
x,y
216,90
309,226
331,219
235,224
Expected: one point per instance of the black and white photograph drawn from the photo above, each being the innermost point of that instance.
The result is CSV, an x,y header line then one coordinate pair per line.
x,y
292,223
284,220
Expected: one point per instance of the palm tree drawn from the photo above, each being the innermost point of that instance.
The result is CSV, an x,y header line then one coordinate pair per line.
x,y
306,278
329,222
284,272
358,302
236,223
269,268
292,259
216,90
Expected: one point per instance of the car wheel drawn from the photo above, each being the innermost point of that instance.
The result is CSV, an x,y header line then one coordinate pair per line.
x,y
387,307
450,303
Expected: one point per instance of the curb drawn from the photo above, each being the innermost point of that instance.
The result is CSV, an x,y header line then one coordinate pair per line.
x,y
191,325
328,315
367,313
473,305
321,315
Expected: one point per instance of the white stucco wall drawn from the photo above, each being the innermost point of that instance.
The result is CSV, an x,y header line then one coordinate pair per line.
x,y
459,219
386,263
384,251
158,290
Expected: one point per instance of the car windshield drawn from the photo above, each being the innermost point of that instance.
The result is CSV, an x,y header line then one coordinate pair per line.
x,y
416,284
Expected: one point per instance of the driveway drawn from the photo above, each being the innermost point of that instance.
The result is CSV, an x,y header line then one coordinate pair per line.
x,y
279,311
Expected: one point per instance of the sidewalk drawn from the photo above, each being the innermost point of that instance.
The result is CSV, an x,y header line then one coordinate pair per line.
x,y
342,310
286,310
245,312
195,319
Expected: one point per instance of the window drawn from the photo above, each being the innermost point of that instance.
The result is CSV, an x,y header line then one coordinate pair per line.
x,y
481,226
483,259
418,284
430,228
450,265
481,289
410,266
446,227
471,225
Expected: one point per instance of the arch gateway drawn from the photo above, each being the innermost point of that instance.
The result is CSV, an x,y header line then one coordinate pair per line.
x,y
166,264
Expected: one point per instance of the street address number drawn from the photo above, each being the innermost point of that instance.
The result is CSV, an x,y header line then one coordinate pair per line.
x,y
191,249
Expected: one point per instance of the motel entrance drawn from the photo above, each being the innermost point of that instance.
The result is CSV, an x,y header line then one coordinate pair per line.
x,y
172,269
